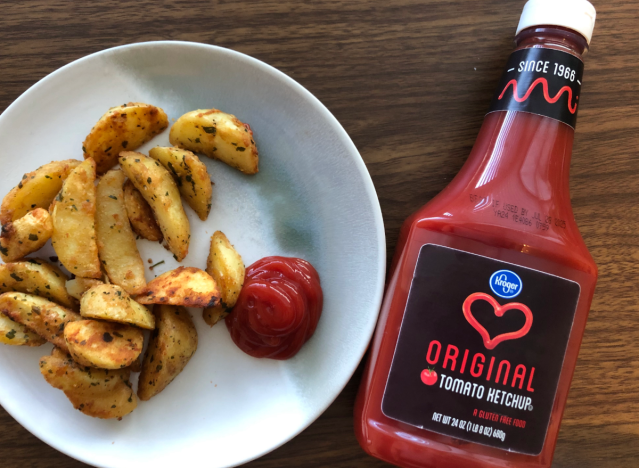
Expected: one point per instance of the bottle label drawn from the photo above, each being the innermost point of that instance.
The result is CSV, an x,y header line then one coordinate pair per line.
x,y
541,81
480,349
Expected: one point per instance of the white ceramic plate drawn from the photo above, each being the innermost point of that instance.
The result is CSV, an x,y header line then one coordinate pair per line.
x,y
313,198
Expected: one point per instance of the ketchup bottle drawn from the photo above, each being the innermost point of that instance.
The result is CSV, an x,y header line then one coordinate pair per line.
x,y
491,282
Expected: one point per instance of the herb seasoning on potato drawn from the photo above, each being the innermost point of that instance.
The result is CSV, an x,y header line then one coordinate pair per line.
x,y
191,176
101,393
140,214
102,344
116,242
121,128
185,286
25,235
45,318
111,302
37,189
158,188
170,349
16,334
35,276
225,265
78,286
218,135
73,214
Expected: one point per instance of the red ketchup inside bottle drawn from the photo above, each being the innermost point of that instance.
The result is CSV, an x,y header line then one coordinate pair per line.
x,y
490,287
278,308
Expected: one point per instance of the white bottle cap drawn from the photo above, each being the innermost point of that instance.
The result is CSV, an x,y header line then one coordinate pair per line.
x,y
578,15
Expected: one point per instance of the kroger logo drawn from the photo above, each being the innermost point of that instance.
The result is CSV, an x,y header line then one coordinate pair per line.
x,y
506,284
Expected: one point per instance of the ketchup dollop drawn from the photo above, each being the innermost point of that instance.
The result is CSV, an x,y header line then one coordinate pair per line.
x,y
278,308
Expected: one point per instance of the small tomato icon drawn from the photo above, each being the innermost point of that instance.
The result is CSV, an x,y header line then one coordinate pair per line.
x,y
429,377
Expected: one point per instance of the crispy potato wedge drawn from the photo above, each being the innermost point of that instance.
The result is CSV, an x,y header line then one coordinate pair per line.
x,y
25,235
227,269
160,191
116,242
185,286
100,393
172,344
44,317
123,127
136,366
214,314
217,135
111,302
37,189
103,344
73,216
57,352
78,286
16,334
35,276
140,214
191,177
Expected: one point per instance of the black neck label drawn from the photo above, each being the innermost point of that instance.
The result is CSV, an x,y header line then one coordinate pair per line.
x,y
541,81
480,350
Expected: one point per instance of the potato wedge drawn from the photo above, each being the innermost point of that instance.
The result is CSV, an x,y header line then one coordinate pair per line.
x,y
37,189
78,286
218,135
140,214
227,269
44,317
214,314
16,334
170,349
123,127
35,276
100,393
25,235
191,177
116,242
73,216
136,366
185,286
160,191
102,344
57,352
111,302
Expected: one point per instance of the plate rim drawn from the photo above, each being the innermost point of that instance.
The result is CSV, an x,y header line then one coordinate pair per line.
x,y
369,187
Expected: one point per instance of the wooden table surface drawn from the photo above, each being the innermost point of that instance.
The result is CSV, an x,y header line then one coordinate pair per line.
x,y
410,81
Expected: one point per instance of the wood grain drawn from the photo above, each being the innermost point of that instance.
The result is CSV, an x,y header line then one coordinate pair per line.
x,y
410,80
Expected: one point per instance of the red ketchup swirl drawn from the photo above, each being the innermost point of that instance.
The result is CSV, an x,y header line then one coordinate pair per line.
x,y
278,308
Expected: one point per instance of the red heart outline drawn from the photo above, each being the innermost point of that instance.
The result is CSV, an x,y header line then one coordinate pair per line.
x,y
500,310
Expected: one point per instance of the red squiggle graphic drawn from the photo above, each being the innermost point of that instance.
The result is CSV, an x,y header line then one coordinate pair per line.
x,y
544,83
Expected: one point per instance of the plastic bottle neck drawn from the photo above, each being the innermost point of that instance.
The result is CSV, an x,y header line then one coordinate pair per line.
x,y
517,174
552,37
513,191
532,149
